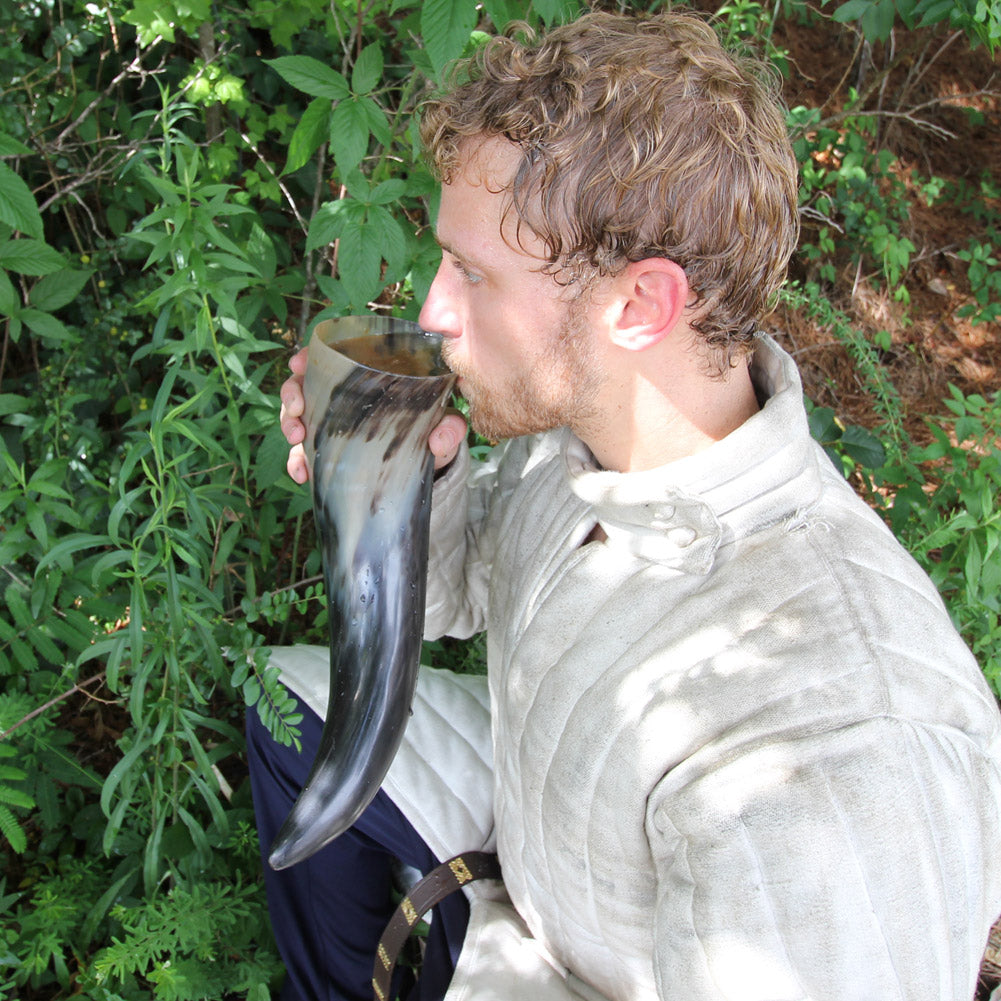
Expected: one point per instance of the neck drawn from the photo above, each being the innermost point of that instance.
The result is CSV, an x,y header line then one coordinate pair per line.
x,y
645,422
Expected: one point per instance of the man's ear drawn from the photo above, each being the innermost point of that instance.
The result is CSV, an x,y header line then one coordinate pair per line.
x,y
651,298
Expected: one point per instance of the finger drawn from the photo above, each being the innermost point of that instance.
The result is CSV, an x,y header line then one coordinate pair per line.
x,y
445,439
293,429
292,397
297,363
297,466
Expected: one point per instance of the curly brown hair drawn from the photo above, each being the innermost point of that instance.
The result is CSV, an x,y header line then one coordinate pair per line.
x,y
640,137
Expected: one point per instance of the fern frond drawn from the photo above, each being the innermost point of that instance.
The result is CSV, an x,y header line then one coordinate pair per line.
x,y
12,831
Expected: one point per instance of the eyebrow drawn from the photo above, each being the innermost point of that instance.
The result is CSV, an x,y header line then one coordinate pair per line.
x,y
458,255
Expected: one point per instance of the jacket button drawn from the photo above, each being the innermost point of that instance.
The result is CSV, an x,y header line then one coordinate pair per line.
x,y
683,537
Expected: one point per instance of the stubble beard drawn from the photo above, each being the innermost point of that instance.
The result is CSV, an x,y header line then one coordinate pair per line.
x,y
560,390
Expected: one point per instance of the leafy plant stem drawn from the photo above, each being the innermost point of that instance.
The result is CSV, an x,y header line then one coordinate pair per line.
x,y
80,686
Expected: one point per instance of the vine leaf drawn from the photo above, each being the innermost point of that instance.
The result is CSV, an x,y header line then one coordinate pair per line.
x,y
30,257
310,76
446,26
311,130
58,289
368,69
17,204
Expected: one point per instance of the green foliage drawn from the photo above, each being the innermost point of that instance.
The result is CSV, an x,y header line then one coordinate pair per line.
x,y
184,189
809,298
746,25
156,200
855,192
985,281
197,944
980,20
849,446
12,796
463,657
945,509
981,252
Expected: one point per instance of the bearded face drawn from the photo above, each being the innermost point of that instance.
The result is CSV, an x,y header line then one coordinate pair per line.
x,y
554,388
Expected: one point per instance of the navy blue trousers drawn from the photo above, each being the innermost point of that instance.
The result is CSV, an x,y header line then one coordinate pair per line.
x,y
329,911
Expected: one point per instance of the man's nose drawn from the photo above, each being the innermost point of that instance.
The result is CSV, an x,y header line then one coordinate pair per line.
x,y
440,312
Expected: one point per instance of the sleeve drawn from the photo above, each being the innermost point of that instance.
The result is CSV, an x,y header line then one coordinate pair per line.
x,y
843,866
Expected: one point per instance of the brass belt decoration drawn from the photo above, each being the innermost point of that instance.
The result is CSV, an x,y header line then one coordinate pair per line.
x,y
375,388
427,893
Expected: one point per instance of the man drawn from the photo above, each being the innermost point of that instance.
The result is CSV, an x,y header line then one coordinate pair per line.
x,y
738,750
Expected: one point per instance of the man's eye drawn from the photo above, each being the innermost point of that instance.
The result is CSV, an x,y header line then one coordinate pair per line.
x,y
467,275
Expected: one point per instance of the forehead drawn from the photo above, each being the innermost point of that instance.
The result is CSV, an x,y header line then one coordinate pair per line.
x,y
489,160
476,203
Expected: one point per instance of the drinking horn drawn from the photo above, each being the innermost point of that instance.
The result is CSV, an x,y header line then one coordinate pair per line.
x,y
375,388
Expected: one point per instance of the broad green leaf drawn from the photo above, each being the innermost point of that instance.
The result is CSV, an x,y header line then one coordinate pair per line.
x,y
46,487
500,12
30,257
934,12
45,325
152,20
58,289
863,446
9,146
969,429
334,290
270,457
311,76
331,219
349,133
877,21
17,204
360,264
388,191
446,26
9,299
907,9
312,129
230,262
367,70
971,569
390,238
823,424
851,11
420,183
358,186
165,188
375,116
11,403
555,11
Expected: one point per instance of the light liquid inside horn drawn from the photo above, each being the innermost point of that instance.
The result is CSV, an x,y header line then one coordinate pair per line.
x,y
375,388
